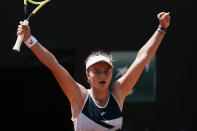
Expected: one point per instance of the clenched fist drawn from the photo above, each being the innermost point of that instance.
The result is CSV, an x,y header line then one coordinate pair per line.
x,y
24,28
164,19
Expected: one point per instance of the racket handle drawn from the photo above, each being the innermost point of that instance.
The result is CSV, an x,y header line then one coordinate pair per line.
x,y
19,40
18,43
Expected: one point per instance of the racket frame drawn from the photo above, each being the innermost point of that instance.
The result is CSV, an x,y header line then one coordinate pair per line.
x,y
20,37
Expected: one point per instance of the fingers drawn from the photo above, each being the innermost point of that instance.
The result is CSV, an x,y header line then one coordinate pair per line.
x,y
24,25
22,28
163,15
20,31
164,19
168,18
159,16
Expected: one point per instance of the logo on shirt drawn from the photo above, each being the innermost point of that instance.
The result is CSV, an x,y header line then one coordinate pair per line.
x,y
103,113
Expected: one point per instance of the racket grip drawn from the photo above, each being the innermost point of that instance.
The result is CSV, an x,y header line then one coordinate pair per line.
x,y
18,43
19,40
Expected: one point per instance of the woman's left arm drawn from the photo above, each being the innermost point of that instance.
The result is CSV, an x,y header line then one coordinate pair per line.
x,y
123,86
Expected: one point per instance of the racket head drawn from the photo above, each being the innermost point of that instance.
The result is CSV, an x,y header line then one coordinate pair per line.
x,y
40,5
38,2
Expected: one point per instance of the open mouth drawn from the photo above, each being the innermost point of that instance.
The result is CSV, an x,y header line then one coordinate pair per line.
x,y
102,82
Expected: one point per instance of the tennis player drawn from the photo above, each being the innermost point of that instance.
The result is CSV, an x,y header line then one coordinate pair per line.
x,y
98,108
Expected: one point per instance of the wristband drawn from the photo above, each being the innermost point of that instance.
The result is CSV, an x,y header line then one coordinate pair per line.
x,y
31,41
162,30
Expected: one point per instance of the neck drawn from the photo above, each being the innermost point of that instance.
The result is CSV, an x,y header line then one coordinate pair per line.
x,y
100,96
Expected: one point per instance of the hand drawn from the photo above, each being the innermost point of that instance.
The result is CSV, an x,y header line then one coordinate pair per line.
x,y
24,28
164,19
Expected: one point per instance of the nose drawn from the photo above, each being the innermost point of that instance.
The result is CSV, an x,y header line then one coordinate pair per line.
x,y
103,75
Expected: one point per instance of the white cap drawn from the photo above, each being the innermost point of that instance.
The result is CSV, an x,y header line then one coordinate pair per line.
x,y
96,59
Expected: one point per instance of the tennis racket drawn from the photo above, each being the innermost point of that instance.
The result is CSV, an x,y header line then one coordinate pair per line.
x,y
27,17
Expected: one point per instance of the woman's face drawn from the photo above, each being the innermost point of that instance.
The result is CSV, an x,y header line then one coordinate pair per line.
x,y
99,75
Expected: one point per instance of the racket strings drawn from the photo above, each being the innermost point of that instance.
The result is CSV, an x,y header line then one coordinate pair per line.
x,y
40,5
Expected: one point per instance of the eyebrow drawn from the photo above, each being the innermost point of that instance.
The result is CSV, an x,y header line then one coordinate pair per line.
x,y
100,69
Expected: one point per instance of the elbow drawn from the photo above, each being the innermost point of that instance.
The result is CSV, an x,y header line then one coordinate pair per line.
x,y
142,56
145,56
142,59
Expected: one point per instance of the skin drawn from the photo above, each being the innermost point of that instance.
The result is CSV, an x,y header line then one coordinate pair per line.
x,y
99,76
77,93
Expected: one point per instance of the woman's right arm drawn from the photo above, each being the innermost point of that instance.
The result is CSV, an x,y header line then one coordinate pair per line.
x,y
75,92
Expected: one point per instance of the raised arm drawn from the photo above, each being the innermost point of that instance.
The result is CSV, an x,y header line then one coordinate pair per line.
x,y
74,91
123,86
69,86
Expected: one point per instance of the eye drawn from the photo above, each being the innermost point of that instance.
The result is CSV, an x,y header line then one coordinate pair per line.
x,y
107,71
97,72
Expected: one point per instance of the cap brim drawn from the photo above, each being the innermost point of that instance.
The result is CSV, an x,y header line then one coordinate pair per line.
x,y
95,59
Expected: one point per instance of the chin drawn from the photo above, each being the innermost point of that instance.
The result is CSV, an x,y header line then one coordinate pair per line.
x,y
104,86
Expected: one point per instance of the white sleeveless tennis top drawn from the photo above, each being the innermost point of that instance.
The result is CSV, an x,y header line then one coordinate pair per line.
x,y
95,118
